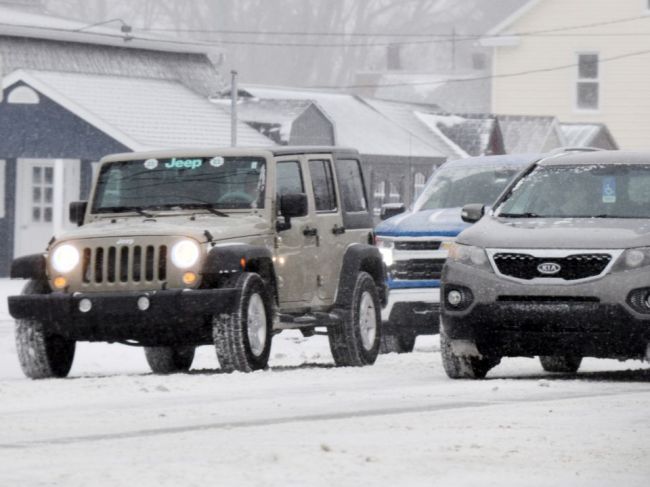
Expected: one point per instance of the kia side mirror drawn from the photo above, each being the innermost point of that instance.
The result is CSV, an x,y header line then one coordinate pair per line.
x,y
389,210
78,212
472,213
292,205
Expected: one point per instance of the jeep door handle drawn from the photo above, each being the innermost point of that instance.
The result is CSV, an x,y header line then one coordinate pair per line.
x,y
338,230
310,232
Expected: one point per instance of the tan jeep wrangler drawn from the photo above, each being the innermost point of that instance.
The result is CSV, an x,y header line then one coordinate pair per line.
x,y
178,249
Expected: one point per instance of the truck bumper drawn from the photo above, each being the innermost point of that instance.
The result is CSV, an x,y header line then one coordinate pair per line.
x,y
164,317
414,310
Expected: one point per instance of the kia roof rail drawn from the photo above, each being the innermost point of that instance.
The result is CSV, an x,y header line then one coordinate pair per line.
x,y
563,150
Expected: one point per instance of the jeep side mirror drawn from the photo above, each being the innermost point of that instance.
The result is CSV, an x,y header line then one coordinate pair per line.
x,y
472,213
78,211
389,210
292,205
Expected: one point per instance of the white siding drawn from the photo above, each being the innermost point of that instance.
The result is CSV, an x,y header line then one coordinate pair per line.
x,y
624,88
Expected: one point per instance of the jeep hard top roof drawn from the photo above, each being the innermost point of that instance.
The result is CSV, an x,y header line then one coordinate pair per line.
x,y
231,151
598,157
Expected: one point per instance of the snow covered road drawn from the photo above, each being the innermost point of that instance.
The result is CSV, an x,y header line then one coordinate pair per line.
x,y
304,422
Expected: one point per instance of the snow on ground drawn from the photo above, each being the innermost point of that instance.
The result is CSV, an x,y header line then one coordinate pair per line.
x,y
303,422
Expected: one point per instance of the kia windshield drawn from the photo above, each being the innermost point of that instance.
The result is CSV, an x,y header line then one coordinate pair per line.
x,y
584,191
213,183
452,187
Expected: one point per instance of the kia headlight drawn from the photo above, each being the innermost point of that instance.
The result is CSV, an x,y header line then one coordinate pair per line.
x,y
633,259
185,254
386,248
469,255
65,258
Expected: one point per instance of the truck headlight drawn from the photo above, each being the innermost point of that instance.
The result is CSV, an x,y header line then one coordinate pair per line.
x,y
469,255
185,254
386,248
65,258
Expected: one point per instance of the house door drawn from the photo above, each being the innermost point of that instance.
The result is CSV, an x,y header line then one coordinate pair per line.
x,y
44,190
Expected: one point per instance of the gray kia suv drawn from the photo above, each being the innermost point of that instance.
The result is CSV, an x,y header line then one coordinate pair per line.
x,y
560,268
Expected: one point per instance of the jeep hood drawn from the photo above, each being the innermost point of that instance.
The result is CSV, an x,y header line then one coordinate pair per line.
x,y
426,223
558,233
219,227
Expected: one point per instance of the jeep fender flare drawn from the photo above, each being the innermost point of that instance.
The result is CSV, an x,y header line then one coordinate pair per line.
x,y
360,258
29,267
229,261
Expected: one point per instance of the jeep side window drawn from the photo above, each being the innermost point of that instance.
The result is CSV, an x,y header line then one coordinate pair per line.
x,y
353,195
289,179
323,184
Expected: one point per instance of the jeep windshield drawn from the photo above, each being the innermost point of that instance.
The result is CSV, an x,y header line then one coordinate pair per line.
x,y
452,187
581,191
211,183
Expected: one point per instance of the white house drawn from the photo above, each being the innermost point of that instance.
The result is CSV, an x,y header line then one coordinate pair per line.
x,y
579,60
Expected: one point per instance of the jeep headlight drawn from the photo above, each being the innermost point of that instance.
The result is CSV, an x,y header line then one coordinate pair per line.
x,y
386,248
469,255
185,254
65,258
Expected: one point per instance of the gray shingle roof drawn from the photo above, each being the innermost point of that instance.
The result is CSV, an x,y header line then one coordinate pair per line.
x,y
141,113
356,123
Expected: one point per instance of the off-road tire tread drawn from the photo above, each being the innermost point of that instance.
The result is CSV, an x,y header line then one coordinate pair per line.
x,y
345,340
229,332
41,356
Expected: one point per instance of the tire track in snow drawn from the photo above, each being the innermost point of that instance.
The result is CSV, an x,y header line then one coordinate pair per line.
x,y
261,422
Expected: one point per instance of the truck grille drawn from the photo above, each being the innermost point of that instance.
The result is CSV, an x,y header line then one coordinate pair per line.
x,y
572,267
417,269
125,264
417,245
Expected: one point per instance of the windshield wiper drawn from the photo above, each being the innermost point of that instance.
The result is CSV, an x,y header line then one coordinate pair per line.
x,y
125,209
205,206
519,215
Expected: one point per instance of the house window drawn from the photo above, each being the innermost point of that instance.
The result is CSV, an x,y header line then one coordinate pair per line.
x,y
588,85
2,188
418,185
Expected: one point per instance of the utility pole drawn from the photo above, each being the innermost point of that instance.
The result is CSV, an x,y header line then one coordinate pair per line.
x,y
233,109
453,49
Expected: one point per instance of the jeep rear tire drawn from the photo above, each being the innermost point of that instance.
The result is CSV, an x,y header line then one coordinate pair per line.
x,y
243,338
568,364
42,355
169,360
463,366
401,343
355,341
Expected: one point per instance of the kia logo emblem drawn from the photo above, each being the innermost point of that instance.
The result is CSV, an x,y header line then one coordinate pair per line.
x,y
549,268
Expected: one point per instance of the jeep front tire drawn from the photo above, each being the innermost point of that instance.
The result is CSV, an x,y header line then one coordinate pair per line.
x,y
355,341
42,355
243,338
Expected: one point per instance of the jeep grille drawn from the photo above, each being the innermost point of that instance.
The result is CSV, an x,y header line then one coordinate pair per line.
x,y
124,264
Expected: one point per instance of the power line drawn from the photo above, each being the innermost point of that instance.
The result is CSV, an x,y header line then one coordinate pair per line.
x,y
480,78
378,34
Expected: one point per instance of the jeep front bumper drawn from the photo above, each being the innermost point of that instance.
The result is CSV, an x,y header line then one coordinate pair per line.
x,y
171,316
509,318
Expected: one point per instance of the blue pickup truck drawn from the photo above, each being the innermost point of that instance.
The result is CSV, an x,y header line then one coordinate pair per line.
x,y
414,243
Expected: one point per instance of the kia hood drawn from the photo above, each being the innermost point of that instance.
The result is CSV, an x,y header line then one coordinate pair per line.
x,y
426,223
558,233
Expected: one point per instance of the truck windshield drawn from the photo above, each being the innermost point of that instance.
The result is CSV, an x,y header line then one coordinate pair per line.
x,y
226,183
452,187
585,191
